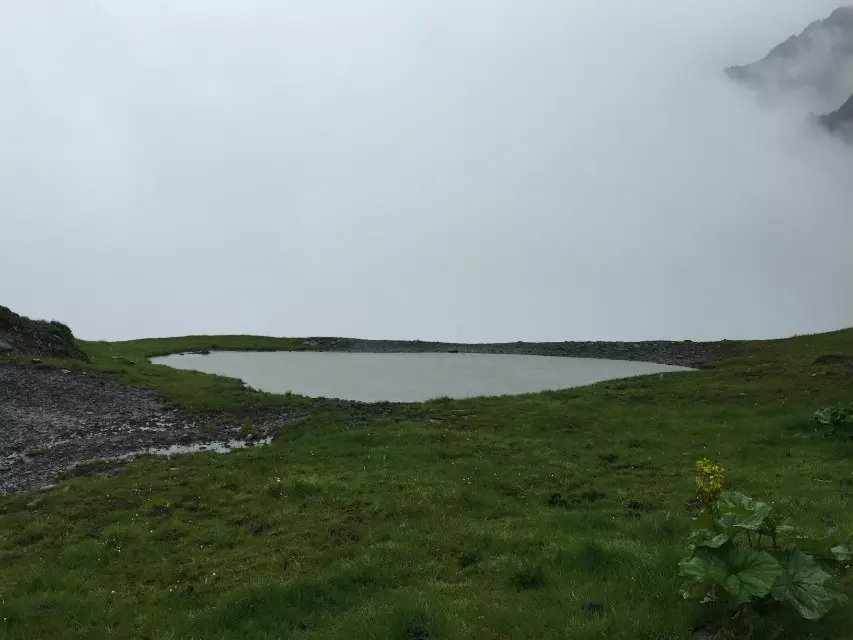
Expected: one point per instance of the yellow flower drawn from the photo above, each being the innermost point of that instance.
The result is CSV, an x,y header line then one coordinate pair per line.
x,y
709,481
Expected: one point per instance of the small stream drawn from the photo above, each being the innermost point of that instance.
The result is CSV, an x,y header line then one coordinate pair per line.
x,y
225,446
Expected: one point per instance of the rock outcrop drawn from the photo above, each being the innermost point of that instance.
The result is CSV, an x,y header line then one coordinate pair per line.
x,y
840,120
36,337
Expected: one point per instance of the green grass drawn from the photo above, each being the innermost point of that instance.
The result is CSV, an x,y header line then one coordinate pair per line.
x,y
553,515
191,391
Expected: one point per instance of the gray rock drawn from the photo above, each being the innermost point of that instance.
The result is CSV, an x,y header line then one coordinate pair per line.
x,y
840,120
5,346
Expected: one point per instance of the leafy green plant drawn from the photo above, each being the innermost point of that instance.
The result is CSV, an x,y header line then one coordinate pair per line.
x,y
742,554
838,418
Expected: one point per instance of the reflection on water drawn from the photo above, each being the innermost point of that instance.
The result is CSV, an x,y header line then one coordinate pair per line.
x,y
217,447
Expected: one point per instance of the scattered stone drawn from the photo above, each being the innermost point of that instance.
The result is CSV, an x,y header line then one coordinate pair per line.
x,y
52,420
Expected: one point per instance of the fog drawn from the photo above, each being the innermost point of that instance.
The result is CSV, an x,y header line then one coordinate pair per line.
x,y
434,169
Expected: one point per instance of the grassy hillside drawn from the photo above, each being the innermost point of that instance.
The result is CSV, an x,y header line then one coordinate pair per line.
x,y
553,515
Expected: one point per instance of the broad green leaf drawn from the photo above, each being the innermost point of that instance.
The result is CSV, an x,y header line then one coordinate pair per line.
x,y
841,553
704,520
805,585
740,512
746,574
701,591
711,538
697,569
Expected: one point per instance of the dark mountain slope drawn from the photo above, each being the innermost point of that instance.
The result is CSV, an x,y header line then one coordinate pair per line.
x,y
818,62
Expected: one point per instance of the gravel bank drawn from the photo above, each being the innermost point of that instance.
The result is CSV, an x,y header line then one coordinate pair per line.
x,y
53,419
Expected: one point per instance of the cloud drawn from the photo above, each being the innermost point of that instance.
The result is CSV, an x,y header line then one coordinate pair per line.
x,y
448,170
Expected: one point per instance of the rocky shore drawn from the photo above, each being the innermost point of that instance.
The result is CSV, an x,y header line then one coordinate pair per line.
x,y
680,353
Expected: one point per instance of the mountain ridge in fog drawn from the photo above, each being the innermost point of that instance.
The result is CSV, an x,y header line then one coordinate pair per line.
x,y
464,172
817,64
841,119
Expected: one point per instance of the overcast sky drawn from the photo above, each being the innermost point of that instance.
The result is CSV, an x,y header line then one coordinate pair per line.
x,y
435,169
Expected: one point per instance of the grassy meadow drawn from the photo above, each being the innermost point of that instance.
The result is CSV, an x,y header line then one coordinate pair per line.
x,y
552,515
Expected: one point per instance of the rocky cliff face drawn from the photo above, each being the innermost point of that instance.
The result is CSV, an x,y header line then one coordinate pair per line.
x,y
841,119
36,337
817,63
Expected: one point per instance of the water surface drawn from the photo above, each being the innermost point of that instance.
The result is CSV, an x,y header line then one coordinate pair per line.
x,y
407,377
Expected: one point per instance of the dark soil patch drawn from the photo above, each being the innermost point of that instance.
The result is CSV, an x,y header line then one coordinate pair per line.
x,y
834,358
558,500
593,607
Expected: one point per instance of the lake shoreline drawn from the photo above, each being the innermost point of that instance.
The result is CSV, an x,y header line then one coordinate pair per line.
x,y
685,353
43,444
406,377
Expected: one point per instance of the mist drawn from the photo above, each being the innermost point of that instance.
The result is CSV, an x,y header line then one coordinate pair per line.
x,y
466,171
